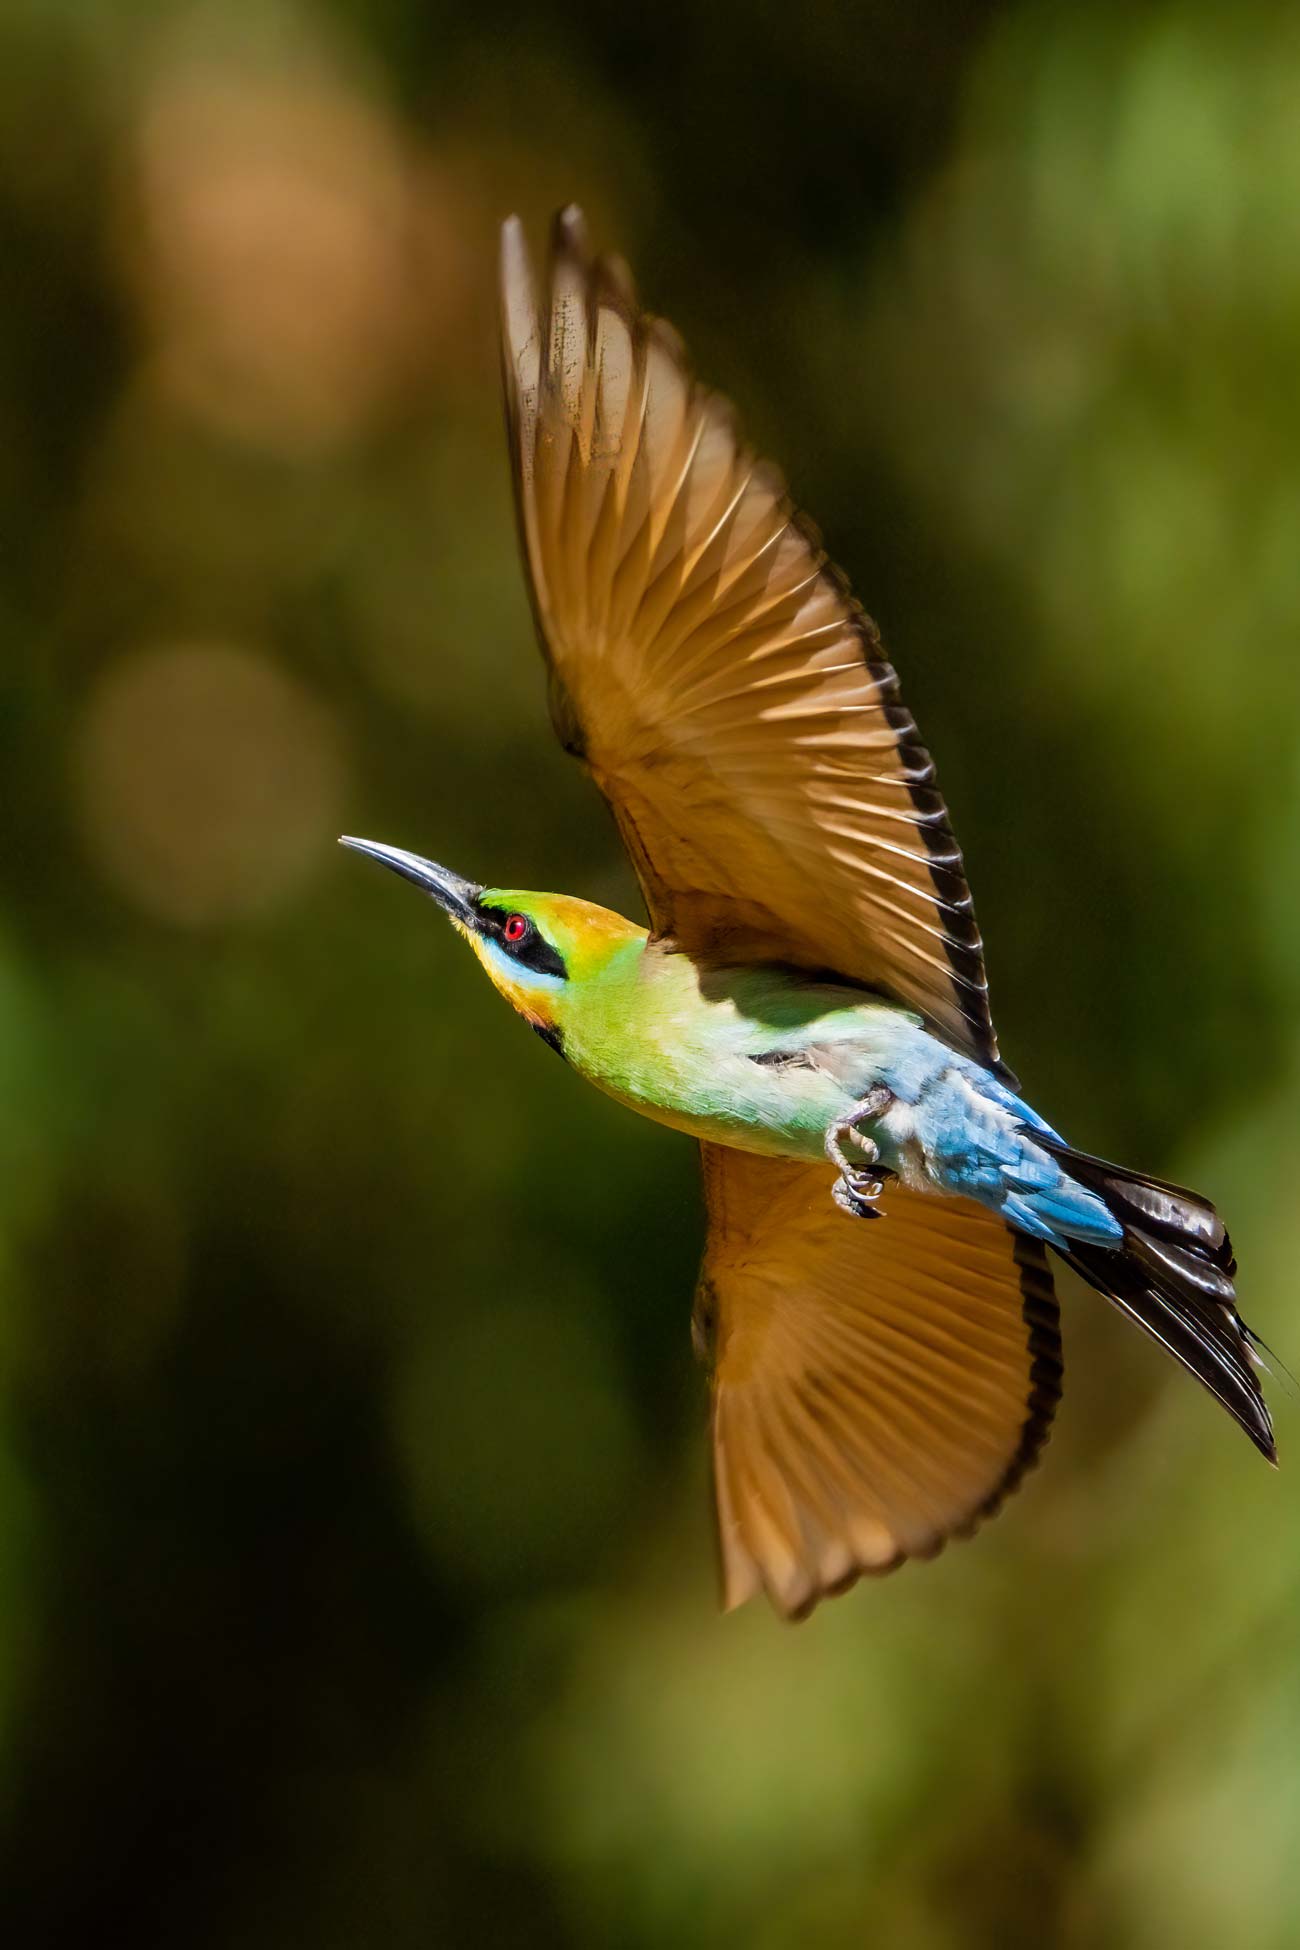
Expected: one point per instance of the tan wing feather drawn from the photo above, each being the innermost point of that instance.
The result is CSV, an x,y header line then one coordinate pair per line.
x,y
877,1387
727,693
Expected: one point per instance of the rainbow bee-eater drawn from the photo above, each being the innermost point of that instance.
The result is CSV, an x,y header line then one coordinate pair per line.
x,y
809,1000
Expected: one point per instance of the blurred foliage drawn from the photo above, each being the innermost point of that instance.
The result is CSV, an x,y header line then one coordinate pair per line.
x,y
355,1580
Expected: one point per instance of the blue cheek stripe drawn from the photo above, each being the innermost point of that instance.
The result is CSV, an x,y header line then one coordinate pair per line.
x,y
515,972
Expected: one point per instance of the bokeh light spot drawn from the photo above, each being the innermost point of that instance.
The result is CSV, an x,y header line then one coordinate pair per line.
x,y
271,252
209,781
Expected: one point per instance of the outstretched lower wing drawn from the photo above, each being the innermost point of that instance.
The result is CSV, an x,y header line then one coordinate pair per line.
x,y
728,695
878,1386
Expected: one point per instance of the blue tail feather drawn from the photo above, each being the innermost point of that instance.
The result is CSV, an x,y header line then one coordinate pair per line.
x,y
1172,1271
1160,1253
1066,1212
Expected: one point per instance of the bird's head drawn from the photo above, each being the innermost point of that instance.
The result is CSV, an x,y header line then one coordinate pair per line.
x,y
540,950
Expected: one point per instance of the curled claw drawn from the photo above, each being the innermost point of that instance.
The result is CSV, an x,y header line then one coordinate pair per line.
x,y
856,1204
859,1185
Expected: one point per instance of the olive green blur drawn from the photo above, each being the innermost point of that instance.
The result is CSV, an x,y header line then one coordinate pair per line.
x,y
356,1584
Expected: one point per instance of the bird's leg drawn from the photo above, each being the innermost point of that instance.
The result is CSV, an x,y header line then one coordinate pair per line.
x,y
861,1180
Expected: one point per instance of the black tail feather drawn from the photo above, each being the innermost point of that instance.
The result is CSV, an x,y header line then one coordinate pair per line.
x,y
1173,1275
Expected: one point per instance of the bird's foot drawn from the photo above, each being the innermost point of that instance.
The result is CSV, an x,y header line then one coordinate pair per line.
x,y
862,1178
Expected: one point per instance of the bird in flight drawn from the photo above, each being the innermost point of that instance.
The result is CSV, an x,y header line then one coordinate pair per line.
x,y
875,1303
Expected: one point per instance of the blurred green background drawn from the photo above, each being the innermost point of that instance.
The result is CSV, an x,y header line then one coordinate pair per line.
x,y
356,1580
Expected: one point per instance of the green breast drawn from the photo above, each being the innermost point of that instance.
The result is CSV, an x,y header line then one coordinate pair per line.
x,y
680,1045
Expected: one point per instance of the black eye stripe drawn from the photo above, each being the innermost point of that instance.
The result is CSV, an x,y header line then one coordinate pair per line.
x,y
532,950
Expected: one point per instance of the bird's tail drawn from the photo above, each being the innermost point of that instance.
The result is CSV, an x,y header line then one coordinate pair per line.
x,y
1172,1274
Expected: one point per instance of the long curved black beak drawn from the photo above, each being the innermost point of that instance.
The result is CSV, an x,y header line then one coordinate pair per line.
x,y
457,896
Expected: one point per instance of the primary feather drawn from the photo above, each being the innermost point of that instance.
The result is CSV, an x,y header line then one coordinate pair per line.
x,y
727,693
877,1389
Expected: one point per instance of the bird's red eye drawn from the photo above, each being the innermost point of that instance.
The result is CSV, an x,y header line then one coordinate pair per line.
x,y
516,927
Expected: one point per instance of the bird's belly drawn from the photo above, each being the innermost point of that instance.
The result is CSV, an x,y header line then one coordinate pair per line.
x,y
778,1112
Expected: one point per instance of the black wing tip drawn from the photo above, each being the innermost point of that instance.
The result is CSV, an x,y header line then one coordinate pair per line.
x,y
1041,1313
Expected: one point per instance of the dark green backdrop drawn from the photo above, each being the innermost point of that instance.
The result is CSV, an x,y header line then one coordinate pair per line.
x,y
355,1565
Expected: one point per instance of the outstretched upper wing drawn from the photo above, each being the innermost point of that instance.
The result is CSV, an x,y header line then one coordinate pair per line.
x,y
727,693
877,1388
